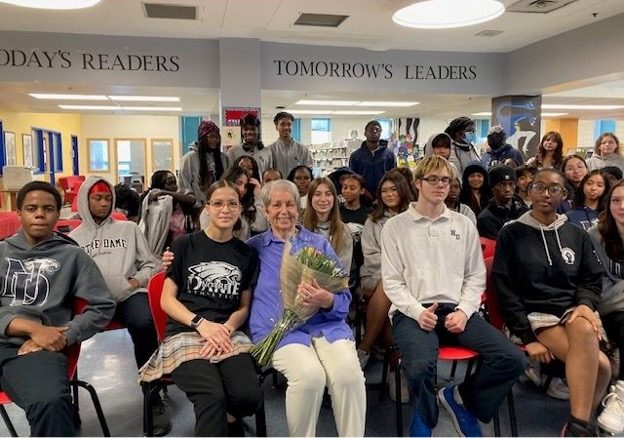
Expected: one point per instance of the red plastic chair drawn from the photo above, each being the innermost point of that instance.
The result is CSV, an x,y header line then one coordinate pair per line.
x,y
154,292
488,246
73,354
495,318
70,186
66,226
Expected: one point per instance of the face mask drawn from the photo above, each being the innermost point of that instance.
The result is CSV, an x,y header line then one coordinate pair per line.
x,y
470,137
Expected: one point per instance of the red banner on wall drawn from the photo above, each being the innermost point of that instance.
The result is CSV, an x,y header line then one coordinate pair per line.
x,y
232,115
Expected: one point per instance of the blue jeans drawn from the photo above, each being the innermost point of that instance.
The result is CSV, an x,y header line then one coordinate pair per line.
x,y
500,363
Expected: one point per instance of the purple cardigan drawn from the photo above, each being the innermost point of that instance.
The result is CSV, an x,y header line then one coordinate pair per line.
x,y
266,304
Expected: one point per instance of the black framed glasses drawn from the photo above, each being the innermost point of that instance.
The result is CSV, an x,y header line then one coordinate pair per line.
x,y
434,180
553,189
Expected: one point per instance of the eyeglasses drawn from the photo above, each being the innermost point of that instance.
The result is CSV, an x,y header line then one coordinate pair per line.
x,y
553,189
218,205
434,180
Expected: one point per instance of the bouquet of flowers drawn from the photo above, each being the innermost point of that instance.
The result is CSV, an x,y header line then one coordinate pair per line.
x,y
307,264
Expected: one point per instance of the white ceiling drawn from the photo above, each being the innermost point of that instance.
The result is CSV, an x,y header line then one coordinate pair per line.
x,y
369,26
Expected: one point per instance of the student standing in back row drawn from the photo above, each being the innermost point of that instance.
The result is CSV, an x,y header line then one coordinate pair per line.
x,y
287,152
373,159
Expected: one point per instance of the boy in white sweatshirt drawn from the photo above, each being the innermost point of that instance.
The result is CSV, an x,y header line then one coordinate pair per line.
x,y
433,273
120,250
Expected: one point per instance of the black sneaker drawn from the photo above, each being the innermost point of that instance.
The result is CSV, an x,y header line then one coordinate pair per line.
x,y
236,428
162,423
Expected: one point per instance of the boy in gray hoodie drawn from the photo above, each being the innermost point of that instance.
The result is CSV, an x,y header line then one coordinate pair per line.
x,y
41,274
122,254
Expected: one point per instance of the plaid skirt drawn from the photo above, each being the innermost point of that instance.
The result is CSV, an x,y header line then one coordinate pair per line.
x,y
180,348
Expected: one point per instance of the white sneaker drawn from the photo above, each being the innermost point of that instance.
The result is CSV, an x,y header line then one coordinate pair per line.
x,y
612,417
364,357
405,393
558,389
534,374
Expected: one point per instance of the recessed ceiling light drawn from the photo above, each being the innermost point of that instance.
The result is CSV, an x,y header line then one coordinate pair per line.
x,y
68,96
151,108
484,114
581,107
445,14
386,103
52,4
327,102
91,107
358,113
144,98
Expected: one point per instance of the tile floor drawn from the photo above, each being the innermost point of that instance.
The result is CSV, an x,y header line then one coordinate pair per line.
x,y
107,363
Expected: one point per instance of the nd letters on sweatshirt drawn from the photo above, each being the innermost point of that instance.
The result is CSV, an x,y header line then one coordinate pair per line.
x,y
40,283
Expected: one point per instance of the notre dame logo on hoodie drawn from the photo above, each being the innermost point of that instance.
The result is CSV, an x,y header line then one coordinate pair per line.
x,y
26,280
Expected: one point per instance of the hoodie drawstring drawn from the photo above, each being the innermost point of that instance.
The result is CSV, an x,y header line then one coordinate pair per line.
x,y
546,244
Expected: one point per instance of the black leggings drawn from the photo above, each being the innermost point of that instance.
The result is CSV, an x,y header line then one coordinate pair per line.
x,y
614,326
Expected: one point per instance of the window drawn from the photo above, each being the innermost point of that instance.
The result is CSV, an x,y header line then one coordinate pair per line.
x,y
56,147
386,128
321,131
98,155
162,154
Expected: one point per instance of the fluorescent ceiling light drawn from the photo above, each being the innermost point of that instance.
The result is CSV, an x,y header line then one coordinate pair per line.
x,y
581,107
386,103
554,114
489,114
52,4
311,112
119,108
91,107
358,113
151,108
445,14
68,96
327,102
337,113
144,98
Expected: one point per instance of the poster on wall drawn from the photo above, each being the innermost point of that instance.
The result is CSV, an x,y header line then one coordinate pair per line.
x,y
10,151
520,117
27,146
232,115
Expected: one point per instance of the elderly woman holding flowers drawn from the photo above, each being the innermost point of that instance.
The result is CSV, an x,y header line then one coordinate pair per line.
x,y
320,351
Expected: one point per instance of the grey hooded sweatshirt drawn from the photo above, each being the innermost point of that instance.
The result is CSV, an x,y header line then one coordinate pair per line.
x,y
40,283
429,152
597,162
117,247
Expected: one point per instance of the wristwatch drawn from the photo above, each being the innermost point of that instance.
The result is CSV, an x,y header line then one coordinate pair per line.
x,y
196,321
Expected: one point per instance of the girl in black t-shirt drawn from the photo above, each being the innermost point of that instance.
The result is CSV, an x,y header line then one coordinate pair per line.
x,y
207,295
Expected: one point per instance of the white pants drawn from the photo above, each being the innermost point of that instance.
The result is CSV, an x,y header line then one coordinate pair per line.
x,y
308,370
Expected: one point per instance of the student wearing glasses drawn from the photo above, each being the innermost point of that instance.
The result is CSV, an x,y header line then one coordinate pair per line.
x,y
433,273
548,279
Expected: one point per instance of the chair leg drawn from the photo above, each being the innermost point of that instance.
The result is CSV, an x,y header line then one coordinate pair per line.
x,y
453,369
7,421
397,404
512,413
261,429
149,390
96,404
497,428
